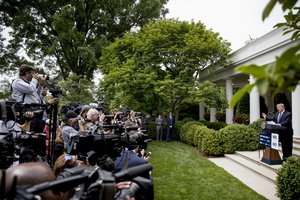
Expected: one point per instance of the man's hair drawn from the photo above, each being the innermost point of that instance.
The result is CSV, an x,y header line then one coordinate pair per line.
x,y
280,104
25,68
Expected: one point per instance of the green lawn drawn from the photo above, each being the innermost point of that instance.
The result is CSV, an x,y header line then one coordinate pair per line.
x,y
179,172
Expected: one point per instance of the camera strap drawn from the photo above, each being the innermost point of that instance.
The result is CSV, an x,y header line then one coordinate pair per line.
x,y
3,111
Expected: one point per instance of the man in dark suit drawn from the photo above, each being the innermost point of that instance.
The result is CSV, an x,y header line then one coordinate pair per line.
x,y
170,126
284,118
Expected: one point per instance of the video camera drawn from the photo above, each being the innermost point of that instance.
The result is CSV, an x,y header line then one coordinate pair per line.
x,y
93,183
7,149
12,110
70,106
102,144
31,146
106,145
55,92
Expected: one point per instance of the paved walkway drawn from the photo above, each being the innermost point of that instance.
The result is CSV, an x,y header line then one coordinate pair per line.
x,y
258,183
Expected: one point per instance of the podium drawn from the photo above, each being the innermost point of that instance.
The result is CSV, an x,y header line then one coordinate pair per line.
x,y
268,137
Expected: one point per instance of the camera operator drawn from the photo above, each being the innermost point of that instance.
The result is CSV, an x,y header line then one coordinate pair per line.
x,y
133,120
28,89
48,102
27,86
71,120
93,123
84,111
118,116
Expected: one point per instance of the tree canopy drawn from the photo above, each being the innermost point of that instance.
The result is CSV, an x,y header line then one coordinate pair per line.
x,y
157,67
69,34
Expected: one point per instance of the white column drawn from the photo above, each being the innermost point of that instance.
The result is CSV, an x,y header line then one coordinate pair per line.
x,y
296,111
254,102
201,110
213,112
229,111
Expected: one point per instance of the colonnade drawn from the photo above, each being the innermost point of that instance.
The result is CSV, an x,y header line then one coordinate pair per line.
x,y
255,107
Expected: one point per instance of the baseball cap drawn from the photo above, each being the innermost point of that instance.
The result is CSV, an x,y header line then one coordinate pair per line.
x,y
70,114
84,108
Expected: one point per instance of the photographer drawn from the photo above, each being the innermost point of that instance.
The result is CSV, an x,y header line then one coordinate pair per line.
x,y
48,102
92,120
27,87
93,124
70,119
83,112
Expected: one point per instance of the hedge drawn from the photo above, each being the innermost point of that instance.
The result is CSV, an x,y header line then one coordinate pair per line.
x,y
214,125
288,179
239,137
212,143
184,130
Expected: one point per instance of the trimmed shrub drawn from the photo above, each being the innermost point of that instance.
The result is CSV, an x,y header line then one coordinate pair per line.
x,y
152,129
188,119
212,143
214,125
185,128
221,117
239,137
241,119
191,133
288,179
176,131
256,124
200,134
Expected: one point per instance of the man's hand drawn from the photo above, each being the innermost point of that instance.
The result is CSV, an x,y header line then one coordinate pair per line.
x,y
81,122
123,185
53,101
39,77
28,114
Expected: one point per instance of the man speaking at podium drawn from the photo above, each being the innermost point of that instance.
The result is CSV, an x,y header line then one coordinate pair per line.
x,y
284,118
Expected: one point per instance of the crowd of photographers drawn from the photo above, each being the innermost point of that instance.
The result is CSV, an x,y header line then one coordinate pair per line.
x,y
84,142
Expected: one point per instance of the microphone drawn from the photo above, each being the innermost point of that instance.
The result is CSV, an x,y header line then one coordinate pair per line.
x,y
132,172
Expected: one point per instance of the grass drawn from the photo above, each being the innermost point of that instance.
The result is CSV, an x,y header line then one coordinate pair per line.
x,y
179,172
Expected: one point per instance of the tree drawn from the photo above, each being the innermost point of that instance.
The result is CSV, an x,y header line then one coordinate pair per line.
x,y
213,95
284,74
5,89
159,64
70,33
77,89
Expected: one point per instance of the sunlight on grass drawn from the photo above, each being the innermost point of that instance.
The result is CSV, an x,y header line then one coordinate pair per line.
x,y
179,172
